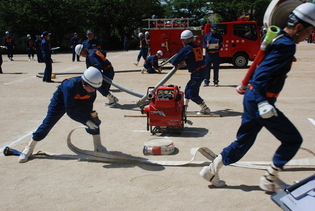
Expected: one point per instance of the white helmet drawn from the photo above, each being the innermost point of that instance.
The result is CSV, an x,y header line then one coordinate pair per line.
x,y
78,49
28,35
93,77
159,52
140,34
306,12
187,34
7,32
147,33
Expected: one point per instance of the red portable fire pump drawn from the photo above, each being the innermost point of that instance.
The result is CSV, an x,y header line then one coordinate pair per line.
x,y
166,111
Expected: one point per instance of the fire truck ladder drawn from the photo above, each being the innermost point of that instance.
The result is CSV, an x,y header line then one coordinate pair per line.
x,y
168,23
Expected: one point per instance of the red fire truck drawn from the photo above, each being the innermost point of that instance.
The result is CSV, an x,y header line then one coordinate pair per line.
x,y
241,39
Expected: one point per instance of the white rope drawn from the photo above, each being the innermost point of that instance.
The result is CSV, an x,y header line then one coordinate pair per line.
x,y
206,152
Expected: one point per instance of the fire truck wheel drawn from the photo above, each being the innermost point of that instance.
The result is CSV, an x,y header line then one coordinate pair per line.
x,y
240,60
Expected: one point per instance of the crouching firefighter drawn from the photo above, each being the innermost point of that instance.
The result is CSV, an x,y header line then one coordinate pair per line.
x,y
97,58
74,96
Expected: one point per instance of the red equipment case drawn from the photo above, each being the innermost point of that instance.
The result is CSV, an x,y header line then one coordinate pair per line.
x,y
166,110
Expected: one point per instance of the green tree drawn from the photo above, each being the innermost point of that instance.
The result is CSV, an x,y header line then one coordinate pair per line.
x,y
110,19
196,9
230,10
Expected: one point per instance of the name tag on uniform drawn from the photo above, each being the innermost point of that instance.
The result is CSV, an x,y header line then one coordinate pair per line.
x,y
213,46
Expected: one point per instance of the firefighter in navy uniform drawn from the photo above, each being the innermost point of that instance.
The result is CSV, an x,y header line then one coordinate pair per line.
x,y
91,42
9,44
143,49
97,58
30,47
46,57
1,61
191,54
259,105
212,43
151,64
75,97
147,40
73,42
38,48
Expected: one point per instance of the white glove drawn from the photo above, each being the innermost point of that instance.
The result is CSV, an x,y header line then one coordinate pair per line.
x,y
266,110
91,125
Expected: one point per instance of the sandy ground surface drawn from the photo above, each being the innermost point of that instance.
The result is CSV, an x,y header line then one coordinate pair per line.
x,y
61,184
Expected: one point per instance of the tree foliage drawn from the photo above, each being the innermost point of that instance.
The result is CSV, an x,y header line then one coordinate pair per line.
x,y
230,10
111,19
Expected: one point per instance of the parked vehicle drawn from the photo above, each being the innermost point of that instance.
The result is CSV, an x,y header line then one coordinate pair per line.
x,y
241,39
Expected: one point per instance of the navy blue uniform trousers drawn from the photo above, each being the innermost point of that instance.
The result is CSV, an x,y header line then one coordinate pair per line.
x,y
280,126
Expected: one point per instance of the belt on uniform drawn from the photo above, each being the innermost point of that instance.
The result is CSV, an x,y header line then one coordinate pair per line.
x,y
203,66
212,51
108,66
268,94
272,95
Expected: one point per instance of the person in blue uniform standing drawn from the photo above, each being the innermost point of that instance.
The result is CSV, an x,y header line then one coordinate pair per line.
x,y
73,42
74,97
191,54
212,43
126,43
91,42
38,48
46,51
9,44
30,47
259,105
143,49
97,58
151,64
1,61
147,40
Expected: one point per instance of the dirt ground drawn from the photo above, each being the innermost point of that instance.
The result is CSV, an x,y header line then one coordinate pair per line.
x,y
46,183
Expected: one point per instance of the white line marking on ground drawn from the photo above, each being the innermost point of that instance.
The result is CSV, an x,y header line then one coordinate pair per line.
x,y
17,81
16,141
140,131
121,65
312,121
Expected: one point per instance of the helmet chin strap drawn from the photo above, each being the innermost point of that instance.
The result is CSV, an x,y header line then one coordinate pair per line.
x,y
295,38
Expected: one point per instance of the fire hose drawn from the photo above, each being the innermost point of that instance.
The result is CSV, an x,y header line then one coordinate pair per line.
x,y
270,36
206,152
89,155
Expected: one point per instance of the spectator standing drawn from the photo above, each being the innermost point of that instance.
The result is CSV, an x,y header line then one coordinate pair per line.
x,y
1,61
30,47
126,43
46,51
9,44
73,42
38,48
212,43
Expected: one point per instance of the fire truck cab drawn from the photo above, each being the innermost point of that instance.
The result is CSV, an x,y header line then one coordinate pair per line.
x,y
165,35
241,41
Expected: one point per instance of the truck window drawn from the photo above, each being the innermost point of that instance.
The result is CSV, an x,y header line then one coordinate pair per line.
x,y
245,30
222,29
